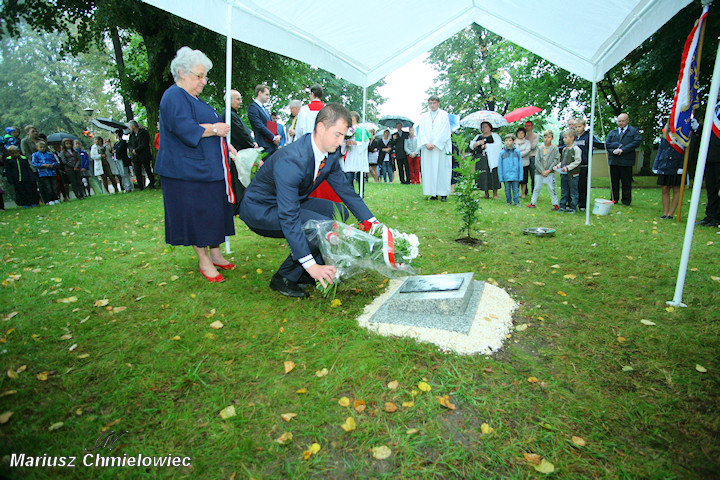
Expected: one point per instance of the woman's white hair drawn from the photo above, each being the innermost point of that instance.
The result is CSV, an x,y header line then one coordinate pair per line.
x,y
186,59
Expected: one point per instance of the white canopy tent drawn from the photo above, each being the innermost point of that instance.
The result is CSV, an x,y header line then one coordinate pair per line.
x,y
587,38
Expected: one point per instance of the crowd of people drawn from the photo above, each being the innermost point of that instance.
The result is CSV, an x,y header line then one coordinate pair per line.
x,y
38,169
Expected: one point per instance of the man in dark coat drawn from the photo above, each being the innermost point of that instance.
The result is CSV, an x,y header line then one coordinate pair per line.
x,y
277,202
621,144
139,148
241,139
398,141
712,178
259,116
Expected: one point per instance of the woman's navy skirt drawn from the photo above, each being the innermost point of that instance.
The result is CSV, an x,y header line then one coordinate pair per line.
x,y
196,213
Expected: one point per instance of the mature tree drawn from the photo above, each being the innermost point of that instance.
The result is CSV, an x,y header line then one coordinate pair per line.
x,y
42,87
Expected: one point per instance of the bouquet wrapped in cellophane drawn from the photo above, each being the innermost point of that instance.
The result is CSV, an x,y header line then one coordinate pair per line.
x,y
364,247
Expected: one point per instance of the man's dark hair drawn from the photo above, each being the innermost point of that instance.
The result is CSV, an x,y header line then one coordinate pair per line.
x,y
260,88
317,91
119,132
331,113
274,113
434,97
530,122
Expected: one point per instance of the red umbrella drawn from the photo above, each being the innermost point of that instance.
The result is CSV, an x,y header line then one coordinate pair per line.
x,y
520,113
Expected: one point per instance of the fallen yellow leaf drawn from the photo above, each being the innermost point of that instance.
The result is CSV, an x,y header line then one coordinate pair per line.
x,y
8,392
43,376
55,426
393,385
227,412
390,407
359,405
84,355
314,448
425,387
533,458
101,303
119,309
569,276
344,402
301,391
11,373
700,368
647,322
173,278
288,416
532,379
335,303
285,438
445,402
544,467
289,365
211,314
579,441
72,299
562,294
521,328
486,429
408,404
670,309
5,417
321,373
621,339
349,424
382,452
176,337
412,431
217,325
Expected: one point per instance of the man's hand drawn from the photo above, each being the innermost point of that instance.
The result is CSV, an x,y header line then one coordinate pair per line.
x,y
546,173
232,150
291,132
324,273
617,151
429,146
276,139
255,144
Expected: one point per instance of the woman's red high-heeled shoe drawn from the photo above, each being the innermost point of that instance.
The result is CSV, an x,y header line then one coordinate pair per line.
x,y
219,278
229,266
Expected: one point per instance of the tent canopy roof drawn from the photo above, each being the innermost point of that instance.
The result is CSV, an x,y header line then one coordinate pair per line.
x,y
587,37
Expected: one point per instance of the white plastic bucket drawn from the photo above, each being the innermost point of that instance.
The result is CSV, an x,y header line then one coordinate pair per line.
x,y
602,206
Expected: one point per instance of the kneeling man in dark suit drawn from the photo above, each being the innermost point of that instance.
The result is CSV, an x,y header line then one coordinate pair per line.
x,y
277,202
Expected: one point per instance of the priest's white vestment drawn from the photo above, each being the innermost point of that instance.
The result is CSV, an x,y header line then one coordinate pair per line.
x,y
435,164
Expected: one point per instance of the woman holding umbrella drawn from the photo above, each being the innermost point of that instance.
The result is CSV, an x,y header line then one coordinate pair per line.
x,y
486,147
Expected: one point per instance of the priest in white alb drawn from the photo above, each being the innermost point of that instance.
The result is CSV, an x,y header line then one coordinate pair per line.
x,y
435,151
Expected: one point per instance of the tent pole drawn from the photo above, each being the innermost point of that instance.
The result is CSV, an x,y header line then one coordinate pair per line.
x,y
362,174
228,80
697,185
591,139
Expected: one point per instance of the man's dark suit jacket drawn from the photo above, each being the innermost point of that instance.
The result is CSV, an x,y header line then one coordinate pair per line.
x,y
140,142
629,142
239,132
272,200
259,117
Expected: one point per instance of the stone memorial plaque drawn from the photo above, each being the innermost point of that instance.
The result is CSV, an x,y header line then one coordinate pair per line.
x,y
432,283
445,302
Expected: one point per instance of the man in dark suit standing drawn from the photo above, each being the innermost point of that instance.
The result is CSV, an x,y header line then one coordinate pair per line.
x,y
259,117
139,148
621,144
398,141
241,139
277,202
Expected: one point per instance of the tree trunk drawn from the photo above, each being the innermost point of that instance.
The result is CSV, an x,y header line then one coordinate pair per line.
x,y
129,115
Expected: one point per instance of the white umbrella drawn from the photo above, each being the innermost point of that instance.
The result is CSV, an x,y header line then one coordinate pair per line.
x,y
475,119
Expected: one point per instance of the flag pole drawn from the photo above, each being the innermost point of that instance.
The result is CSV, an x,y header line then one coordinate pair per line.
x,y
706,3
228,80
697,185
591,139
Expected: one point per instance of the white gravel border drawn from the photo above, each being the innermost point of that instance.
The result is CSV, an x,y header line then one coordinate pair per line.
x,y
492,322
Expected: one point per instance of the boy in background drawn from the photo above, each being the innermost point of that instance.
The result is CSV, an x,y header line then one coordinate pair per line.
x,y
569,169
510,170
546,157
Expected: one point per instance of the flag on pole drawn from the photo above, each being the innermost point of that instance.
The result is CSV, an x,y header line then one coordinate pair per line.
x,y
686,100
716,121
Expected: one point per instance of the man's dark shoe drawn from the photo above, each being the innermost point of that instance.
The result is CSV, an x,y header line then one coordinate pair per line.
x,y
704,221
434,197
306,280
286,287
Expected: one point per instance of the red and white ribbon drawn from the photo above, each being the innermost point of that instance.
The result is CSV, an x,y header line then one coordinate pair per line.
x,y
226,170
389,249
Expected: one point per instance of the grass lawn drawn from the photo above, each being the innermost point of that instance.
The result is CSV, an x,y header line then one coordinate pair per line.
x,y
147,361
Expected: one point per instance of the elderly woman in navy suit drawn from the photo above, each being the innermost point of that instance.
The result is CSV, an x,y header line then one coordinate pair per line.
x,y
193,164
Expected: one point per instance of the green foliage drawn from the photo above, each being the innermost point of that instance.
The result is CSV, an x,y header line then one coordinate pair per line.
x,y
43,87
467,194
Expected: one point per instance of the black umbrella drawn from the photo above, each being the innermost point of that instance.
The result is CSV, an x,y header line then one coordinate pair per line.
x,y
58,137
392,120
109,128
109,124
